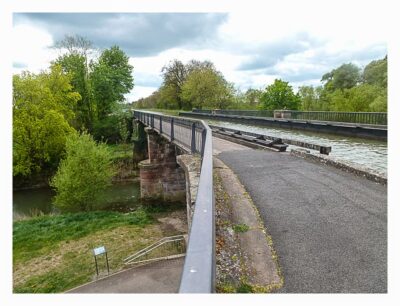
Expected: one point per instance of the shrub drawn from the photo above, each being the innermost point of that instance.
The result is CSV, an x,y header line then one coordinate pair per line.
x,y
83,175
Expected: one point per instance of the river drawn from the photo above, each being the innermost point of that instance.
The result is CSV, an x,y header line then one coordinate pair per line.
x,y
369,154
36,201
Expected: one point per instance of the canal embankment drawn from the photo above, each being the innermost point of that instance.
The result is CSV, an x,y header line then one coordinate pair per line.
x,y
336,128
366,155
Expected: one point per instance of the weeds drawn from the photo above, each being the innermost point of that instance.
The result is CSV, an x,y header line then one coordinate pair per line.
x,y
240,228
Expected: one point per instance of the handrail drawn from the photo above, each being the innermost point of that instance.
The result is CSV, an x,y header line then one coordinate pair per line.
x,y
151,247
195,136
373,118
144,252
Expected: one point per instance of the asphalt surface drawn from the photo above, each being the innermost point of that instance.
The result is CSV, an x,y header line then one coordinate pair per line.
x,y
159,277
329,227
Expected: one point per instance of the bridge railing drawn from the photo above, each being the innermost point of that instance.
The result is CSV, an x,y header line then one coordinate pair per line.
x,y
374,118
194,136
351,117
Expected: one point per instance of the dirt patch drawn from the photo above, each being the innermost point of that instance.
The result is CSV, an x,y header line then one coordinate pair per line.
x,y
246,260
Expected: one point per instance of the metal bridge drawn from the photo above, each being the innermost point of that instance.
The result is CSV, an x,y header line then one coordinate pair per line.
x,y
193,136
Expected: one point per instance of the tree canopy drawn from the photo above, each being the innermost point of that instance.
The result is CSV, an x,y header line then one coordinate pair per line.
x,y
279,95
42,111
206,87
111,79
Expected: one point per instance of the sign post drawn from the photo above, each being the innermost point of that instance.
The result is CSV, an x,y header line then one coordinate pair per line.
x,y
99,251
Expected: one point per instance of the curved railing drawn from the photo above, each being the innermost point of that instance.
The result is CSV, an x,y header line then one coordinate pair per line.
x,y
193,136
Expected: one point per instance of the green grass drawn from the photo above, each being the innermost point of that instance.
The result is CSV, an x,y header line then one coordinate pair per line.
x,y
171,112
240,228
120,151
53,253
36,236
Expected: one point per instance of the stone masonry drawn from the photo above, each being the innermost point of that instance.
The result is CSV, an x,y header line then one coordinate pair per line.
x,y
161,178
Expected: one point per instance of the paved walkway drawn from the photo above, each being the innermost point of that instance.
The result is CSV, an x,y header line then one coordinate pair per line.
x,y
329,227
159,277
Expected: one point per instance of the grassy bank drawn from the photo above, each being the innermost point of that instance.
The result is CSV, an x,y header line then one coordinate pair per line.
x,y
171,112
54,253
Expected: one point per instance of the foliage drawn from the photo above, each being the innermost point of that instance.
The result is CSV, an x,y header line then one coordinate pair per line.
x,y
111,79
83,175
344,77
42,109
356,99
346,90
174,76
75,62
375,73
240,228
279,95
206,87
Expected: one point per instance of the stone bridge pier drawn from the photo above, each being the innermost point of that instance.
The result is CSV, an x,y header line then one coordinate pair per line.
x,y
161,178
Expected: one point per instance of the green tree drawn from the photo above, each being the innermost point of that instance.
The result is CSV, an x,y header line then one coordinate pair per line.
x,y
76,62
42,111
375,73
111,79
206,87
357,99
174,75
252,98
83,175
344,77
279,95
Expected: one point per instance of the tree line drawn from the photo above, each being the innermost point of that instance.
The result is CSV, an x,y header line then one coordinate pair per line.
x,y
200,85
81,93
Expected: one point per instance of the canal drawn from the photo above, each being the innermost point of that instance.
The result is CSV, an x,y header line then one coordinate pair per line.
x,y
26,203
365,153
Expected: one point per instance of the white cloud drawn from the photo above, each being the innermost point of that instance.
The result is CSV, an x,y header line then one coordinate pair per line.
x,y
298,43
31,48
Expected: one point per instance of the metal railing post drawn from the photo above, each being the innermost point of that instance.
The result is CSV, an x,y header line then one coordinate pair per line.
x,y
203,141
193,142
160,124
172,129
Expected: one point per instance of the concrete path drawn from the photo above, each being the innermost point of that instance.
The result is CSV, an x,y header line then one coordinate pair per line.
x,y
159,277
329,227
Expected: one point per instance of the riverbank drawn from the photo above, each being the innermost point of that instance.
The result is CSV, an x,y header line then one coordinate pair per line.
x,y
53,253
122,158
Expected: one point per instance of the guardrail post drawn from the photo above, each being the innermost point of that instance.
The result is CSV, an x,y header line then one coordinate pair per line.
x,y
152,121
172,129
193,142
203,141
160,124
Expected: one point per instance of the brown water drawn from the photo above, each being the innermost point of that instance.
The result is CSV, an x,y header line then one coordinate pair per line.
x,y
369,154
39,201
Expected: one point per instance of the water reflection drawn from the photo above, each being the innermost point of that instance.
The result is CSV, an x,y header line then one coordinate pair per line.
x,y
26,203
371,154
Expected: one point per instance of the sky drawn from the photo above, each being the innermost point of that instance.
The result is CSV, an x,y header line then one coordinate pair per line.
x,y
251,49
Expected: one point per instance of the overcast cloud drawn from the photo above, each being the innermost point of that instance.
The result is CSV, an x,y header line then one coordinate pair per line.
x,y
249,50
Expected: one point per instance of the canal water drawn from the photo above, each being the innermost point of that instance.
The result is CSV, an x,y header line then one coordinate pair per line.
x,y
121,196
365,153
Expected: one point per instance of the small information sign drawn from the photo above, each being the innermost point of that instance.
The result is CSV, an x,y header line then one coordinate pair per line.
x,y
98,251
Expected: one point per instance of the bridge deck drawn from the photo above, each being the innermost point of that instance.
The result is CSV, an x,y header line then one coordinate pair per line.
x,y
329,227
